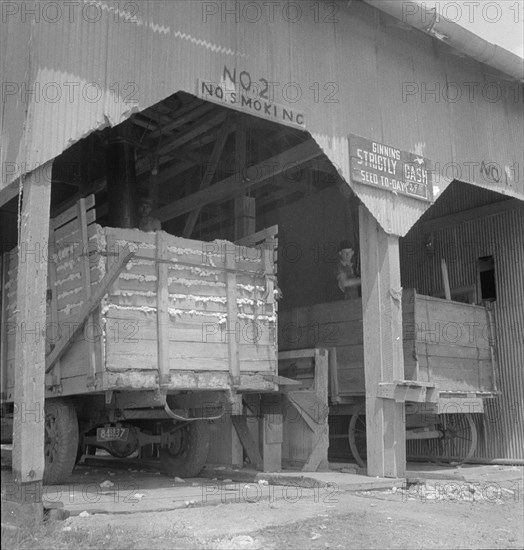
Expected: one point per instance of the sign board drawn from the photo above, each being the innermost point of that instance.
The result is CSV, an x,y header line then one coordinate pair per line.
x,y
249,95
390,169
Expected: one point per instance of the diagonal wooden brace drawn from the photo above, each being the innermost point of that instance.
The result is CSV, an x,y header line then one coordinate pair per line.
x,y
78,321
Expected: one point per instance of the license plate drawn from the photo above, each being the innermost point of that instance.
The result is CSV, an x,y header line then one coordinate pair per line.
x,y
112,434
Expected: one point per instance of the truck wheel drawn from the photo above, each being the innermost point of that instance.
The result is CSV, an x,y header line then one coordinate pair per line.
x,y
187,453
60,441
357,438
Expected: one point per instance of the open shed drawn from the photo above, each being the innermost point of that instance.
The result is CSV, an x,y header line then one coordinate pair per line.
x,y
233,122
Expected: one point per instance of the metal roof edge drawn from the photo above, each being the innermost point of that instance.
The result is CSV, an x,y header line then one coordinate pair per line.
x,y
456,36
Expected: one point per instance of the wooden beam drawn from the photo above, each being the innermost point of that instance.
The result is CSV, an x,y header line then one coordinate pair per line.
x,y
29,392
200,127
244,208
166,176
146,124
9,192
464,216
208,175
185,114
271,430
4,269
282,193
232,312
383,351
162,309
445,279
245,217
247,440
237,185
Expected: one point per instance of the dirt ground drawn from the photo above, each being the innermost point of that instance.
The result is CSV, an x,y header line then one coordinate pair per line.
x,y
482,510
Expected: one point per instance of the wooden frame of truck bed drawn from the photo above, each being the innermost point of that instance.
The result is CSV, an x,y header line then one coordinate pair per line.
x,y
449,369
147,327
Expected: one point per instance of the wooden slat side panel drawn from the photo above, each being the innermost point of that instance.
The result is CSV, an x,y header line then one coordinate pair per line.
x,y
198,306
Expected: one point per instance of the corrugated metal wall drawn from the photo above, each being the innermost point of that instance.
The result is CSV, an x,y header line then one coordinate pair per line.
x,y
501,428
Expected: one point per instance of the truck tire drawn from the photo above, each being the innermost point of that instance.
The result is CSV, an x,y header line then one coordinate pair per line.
x,y
188,456
60,441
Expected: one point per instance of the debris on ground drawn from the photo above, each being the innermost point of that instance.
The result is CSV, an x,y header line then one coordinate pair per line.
x,y
240,542
447,491
106,484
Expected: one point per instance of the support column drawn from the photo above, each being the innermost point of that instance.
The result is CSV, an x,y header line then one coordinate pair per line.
x,y
29,391
121,179
245,221
383,352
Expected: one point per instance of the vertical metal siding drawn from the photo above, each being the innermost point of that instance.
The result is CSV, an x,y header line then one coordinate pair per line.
x,y
501,428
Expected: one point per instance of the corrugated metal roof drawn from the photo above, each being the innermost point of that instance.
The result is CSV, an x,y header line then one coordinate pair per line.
x,y
351,71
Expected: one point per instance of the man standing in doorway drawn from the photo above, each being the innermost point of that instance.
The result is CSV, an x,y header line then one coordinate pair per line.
x,y
348,282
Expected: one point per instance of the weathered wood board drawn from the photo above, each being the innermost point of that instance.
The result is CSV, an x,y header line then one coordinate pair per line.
x,y
445,342
305,409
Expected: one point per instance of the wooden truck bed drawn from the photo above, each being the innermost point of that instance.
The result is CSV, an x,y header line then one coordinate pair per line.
x,y
449,344
182,313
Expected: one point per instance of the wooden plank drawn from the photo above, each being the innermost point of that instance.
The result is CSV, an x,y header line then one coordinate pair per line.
x,y
200,127
244,434
80,318
182,116
4,264
295,354
272,432
211,167
72,212
69,230
318,458
75,361
333,376
29,393
231,187
445,278
262,236
162,311
129,324
232,312
456,353
86,280
53,305
383,352
244,216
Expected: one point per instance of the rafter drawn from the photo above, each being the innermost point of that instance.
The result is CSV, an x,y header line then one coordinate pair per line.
x,y
203,125
236,185
185,114
209,173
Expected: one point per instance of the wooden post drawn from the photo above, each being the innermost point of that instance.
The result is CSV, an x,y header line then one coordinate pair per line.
x,y
271,432
383,352
244,206
244,217
445,279
162,309
29,391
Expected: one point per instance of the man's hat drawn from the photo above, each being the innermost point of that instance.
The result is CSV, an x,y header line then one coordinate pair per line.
x,y
344,245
